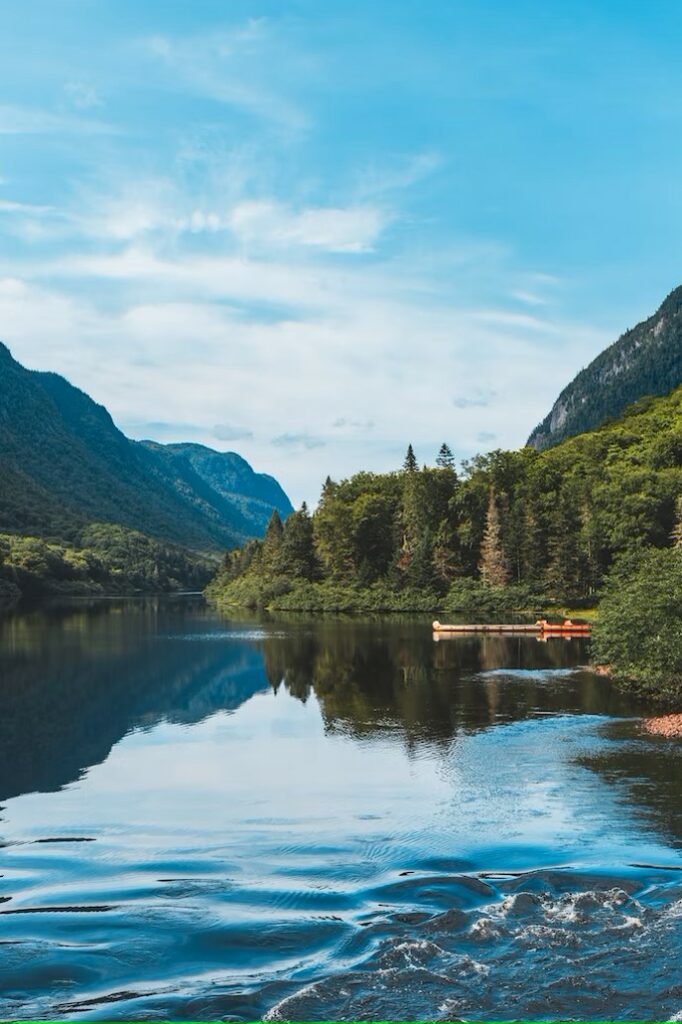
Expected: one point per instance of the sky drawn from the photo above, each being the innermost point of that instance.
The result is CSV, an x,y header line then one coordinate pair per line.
x,y
314,232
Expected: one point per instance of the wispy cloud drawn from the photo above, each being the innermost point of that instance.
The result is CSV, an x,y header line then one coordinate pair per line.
x,y
82,95
226,432
18,120
341,423
232,67
335,229
477,398
160,430
298,441
27,209
379,179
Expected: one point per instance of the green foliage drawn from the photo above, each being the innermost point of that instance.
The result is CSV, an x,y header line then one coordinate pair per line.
x,y
467,597
514,525
639,630
107,560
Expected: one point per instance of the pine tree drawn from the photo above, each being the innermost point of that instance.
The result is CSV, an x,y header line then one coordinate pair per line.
x,y
410,463
445,459
564,572
297,552
492,566
272,543
676,535
420,572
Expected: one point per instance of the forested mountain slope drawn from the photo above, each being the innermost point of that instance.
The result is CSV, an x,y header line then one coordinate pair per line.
x,y
646,360
64,464
220,482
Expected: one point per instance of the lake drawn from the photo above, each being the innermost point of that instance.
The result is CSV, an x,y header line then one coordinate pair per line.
x,y
212,818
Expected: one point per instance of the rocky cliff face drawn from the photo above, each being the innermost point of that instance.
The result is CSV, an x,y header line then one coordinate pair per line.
x,y
646,360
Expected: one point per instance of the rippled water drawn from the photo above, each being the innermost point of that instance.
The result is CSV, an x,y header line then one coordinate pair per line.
x,y
211,819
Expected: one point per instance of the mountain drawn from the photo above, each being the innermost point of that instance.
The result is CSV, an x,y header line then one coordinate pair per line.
x,y
222,481
646,360
64,464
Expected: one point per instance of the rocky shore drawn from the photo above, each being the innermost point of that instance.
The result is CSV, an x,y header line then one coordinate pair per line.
x,y
664,725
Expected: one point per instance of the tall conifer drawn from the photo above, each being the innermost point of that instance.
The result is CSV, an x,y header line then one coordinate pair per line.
x,y
410,463
492,565
445,459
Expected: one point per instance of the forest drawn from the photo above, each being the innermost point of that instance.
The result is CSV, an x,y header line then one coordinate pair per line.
x,y
105,559
513,527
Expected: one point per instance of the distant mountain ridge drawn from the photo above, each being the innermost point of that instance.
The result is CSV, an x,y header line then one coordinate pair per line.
x,y
64,464
646,360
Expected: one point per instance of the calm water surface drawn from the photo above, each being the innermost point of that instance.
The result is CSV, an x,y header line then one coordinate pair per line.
x,y
206,818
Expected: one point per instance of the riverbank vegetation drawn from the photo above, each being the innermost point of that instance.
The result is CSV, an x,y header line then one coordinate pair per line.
x,y
107,559
639,631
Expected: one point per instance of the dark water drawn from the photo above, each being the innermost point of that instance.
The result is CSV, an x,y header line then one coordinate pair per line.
x,y
211,819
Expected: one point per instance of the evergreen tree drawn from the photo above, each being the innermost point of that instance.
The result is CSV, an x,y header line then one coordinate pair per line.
x,y
420,571
333,535
272,543
410,463
446,558
297,552
372,517
564,572
492,566
676,535
445,459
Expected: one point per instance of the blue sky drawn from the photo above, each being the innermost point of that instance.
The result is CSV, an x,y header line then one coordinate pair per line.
x,y
313,232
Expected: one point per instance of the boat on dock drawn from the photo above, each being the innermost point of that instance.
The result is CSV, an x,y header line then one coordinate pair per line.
x,y
540,628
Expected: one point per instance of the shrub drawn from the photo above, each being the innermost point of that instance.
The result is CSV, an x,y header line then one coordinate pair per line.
x,y
639,630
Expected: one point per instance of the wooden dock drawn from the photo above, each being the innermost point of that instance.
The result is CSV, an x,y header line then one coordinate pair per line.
x,y
540,628
485,628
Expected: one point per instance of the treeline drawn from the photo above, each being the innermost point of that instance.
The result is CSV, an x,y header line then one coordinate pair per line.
x,y
518,528
107,559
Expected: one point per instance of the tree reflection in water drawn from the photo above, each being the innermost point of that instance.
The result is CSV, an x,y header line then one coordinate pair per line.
x,y
74,682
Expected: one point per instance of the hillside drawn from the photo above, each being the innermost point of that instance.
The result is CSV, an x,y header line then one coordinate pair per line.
x,y
221,482
64,464
646,360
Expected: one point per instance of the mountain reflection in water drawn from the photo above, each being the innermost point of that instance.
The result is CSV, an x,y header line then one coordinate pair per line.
x,y
74,680
326,819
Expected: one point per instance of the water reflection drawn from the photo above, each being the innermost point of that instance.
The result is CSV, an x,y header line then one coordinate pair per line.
x,y
645,773
387,676
74,681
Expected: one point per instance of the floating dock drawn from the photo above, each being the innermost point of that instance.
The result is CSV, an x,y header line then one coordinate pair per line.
x,y
540,628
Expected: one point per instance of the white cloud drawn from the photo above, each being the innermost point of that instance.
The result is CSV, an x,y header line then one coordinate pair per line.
x,y
82,95
26,209
232,67
302,440
227,432
267,223
388,177
17,120
262,225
